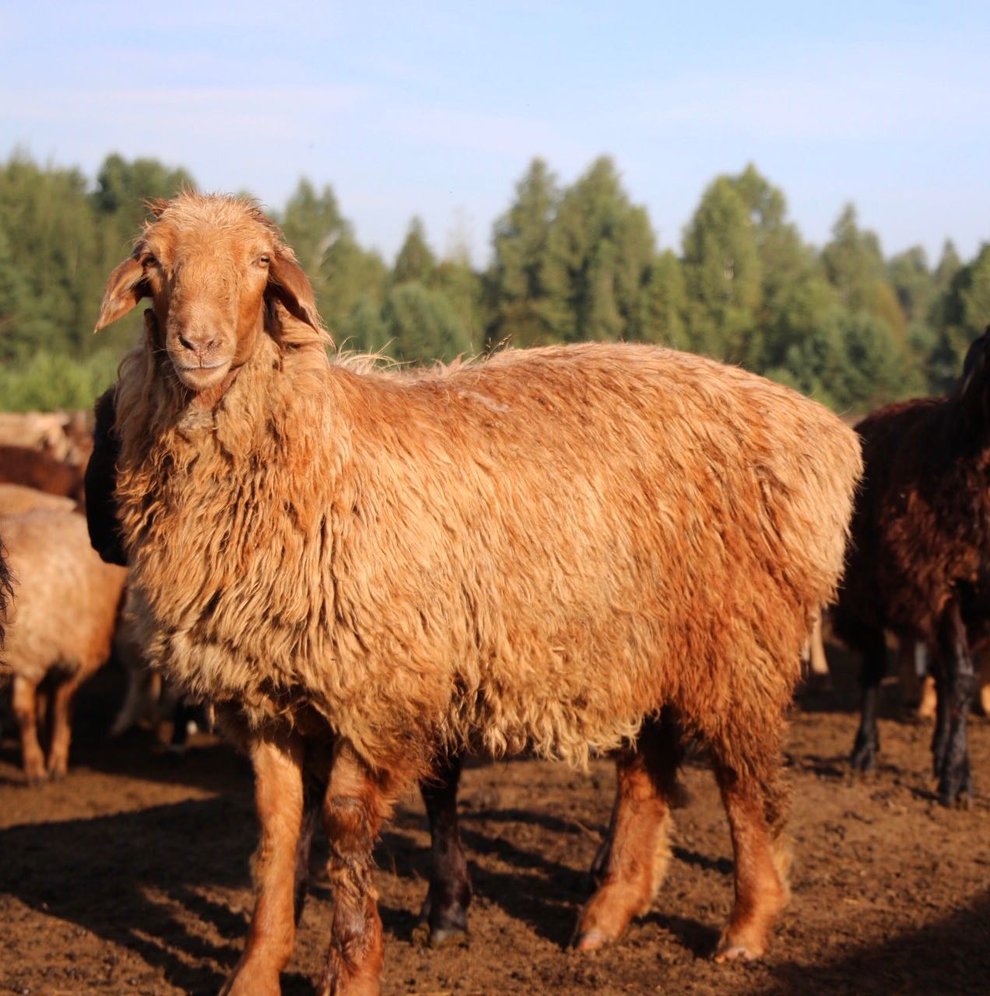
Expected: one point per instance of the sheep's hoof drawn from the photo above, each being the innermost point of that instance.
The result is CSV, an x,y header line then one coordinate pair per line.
x,y
425,936
736,946
591,940
952,797
734,952
955,785
863,758
448,937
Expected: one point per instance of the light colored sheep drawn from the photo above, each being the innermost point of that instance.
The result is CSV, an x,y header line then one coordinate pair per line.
x,y
18,498
66,436
540,550
60,625
37,430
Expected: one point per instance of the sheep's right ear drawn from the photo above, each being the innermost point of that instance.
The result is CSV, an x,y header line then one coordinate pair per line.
x,y
124,289
289,284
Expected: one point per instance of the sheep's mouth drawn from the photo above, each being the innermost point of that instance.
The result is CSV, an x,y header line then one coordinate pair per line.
x,y
200,377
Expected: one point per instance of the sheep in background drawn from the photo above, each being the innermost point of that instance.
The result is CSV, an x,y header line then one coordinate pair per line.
x,y
541,550
919,556
18,498
60,434
60,627
40,470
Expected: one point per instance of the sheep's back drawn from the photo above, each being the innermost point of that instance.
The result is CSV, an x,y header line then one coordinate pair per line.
x,y
921,526
65,598
16,499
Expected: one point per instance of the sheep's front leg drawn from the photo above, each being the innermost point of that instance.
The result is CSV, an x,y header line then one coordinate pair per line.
x,y
353,811
445,909
956,685
25,706
278,773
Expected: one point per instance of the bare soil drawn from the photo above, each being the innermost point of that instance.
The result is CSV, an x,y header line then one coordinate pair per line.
x,y
132,875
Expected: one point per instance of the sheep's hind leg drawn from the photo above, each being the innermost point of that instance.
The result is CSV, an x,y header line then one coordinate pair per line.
x,y
58,750
872,669
353,811
956,686
279,799
634,858
25,706
444,912
754,806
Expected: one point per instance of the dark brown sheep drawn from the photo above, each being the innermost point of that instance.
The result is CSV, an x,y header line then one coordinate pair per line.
x,y
919,560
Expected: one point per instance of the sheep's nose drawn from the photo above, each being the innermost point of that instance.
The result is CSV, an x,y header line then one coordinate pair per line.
x,y
199,344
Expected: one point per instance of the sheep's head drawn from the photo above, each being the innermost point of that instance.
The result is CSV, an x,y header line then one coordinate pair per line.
x,y
973,388
213,267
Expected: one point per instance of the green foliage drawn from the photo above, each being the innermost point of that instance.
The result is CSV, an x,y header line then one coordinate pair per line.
x,y
421,325
963,312
415,260
47,381
598,255
521,300
723,273
569,263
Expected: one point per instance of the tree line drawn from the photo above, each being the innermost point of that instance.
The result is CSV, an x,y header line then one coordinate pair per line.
x,y
569,263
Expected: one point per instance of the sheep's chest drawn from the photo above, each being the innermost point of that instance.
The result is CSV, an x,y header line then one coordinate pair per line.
x,y
229,570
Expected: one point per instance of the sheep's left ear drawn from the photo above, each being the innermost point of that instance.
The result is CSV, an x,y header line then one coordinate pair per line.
x,y
288,284
125,288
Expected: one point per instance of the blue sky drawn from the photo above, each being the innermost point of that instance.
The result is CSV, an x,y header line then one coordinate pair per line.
x,y
437,109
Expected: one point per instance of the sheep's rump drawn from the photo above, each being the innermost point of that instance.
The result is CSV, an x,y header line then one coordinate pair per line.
x,y
18,498
65,598
540,549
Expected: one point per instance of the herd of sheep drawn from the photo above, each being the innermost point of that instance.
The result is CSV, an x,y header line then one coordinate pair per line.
x,y
368,572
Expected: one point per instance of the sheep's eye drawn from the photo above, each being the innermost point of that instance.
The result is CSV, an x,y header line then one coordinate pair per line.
x,y
149,260
264,259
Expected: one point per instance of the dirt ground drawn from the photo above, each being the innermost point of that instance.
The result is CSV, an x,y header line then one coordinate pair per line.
x,y
131,876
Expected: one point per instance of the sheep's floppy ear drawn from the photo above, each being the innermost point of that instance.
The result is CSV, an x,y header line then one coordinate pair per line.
x,y
125,288
288,284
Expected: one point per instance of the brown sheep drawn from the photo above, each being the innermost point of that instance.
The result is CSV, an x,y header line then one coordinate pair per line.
x,y
40,470
60,627
920,554
360,571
